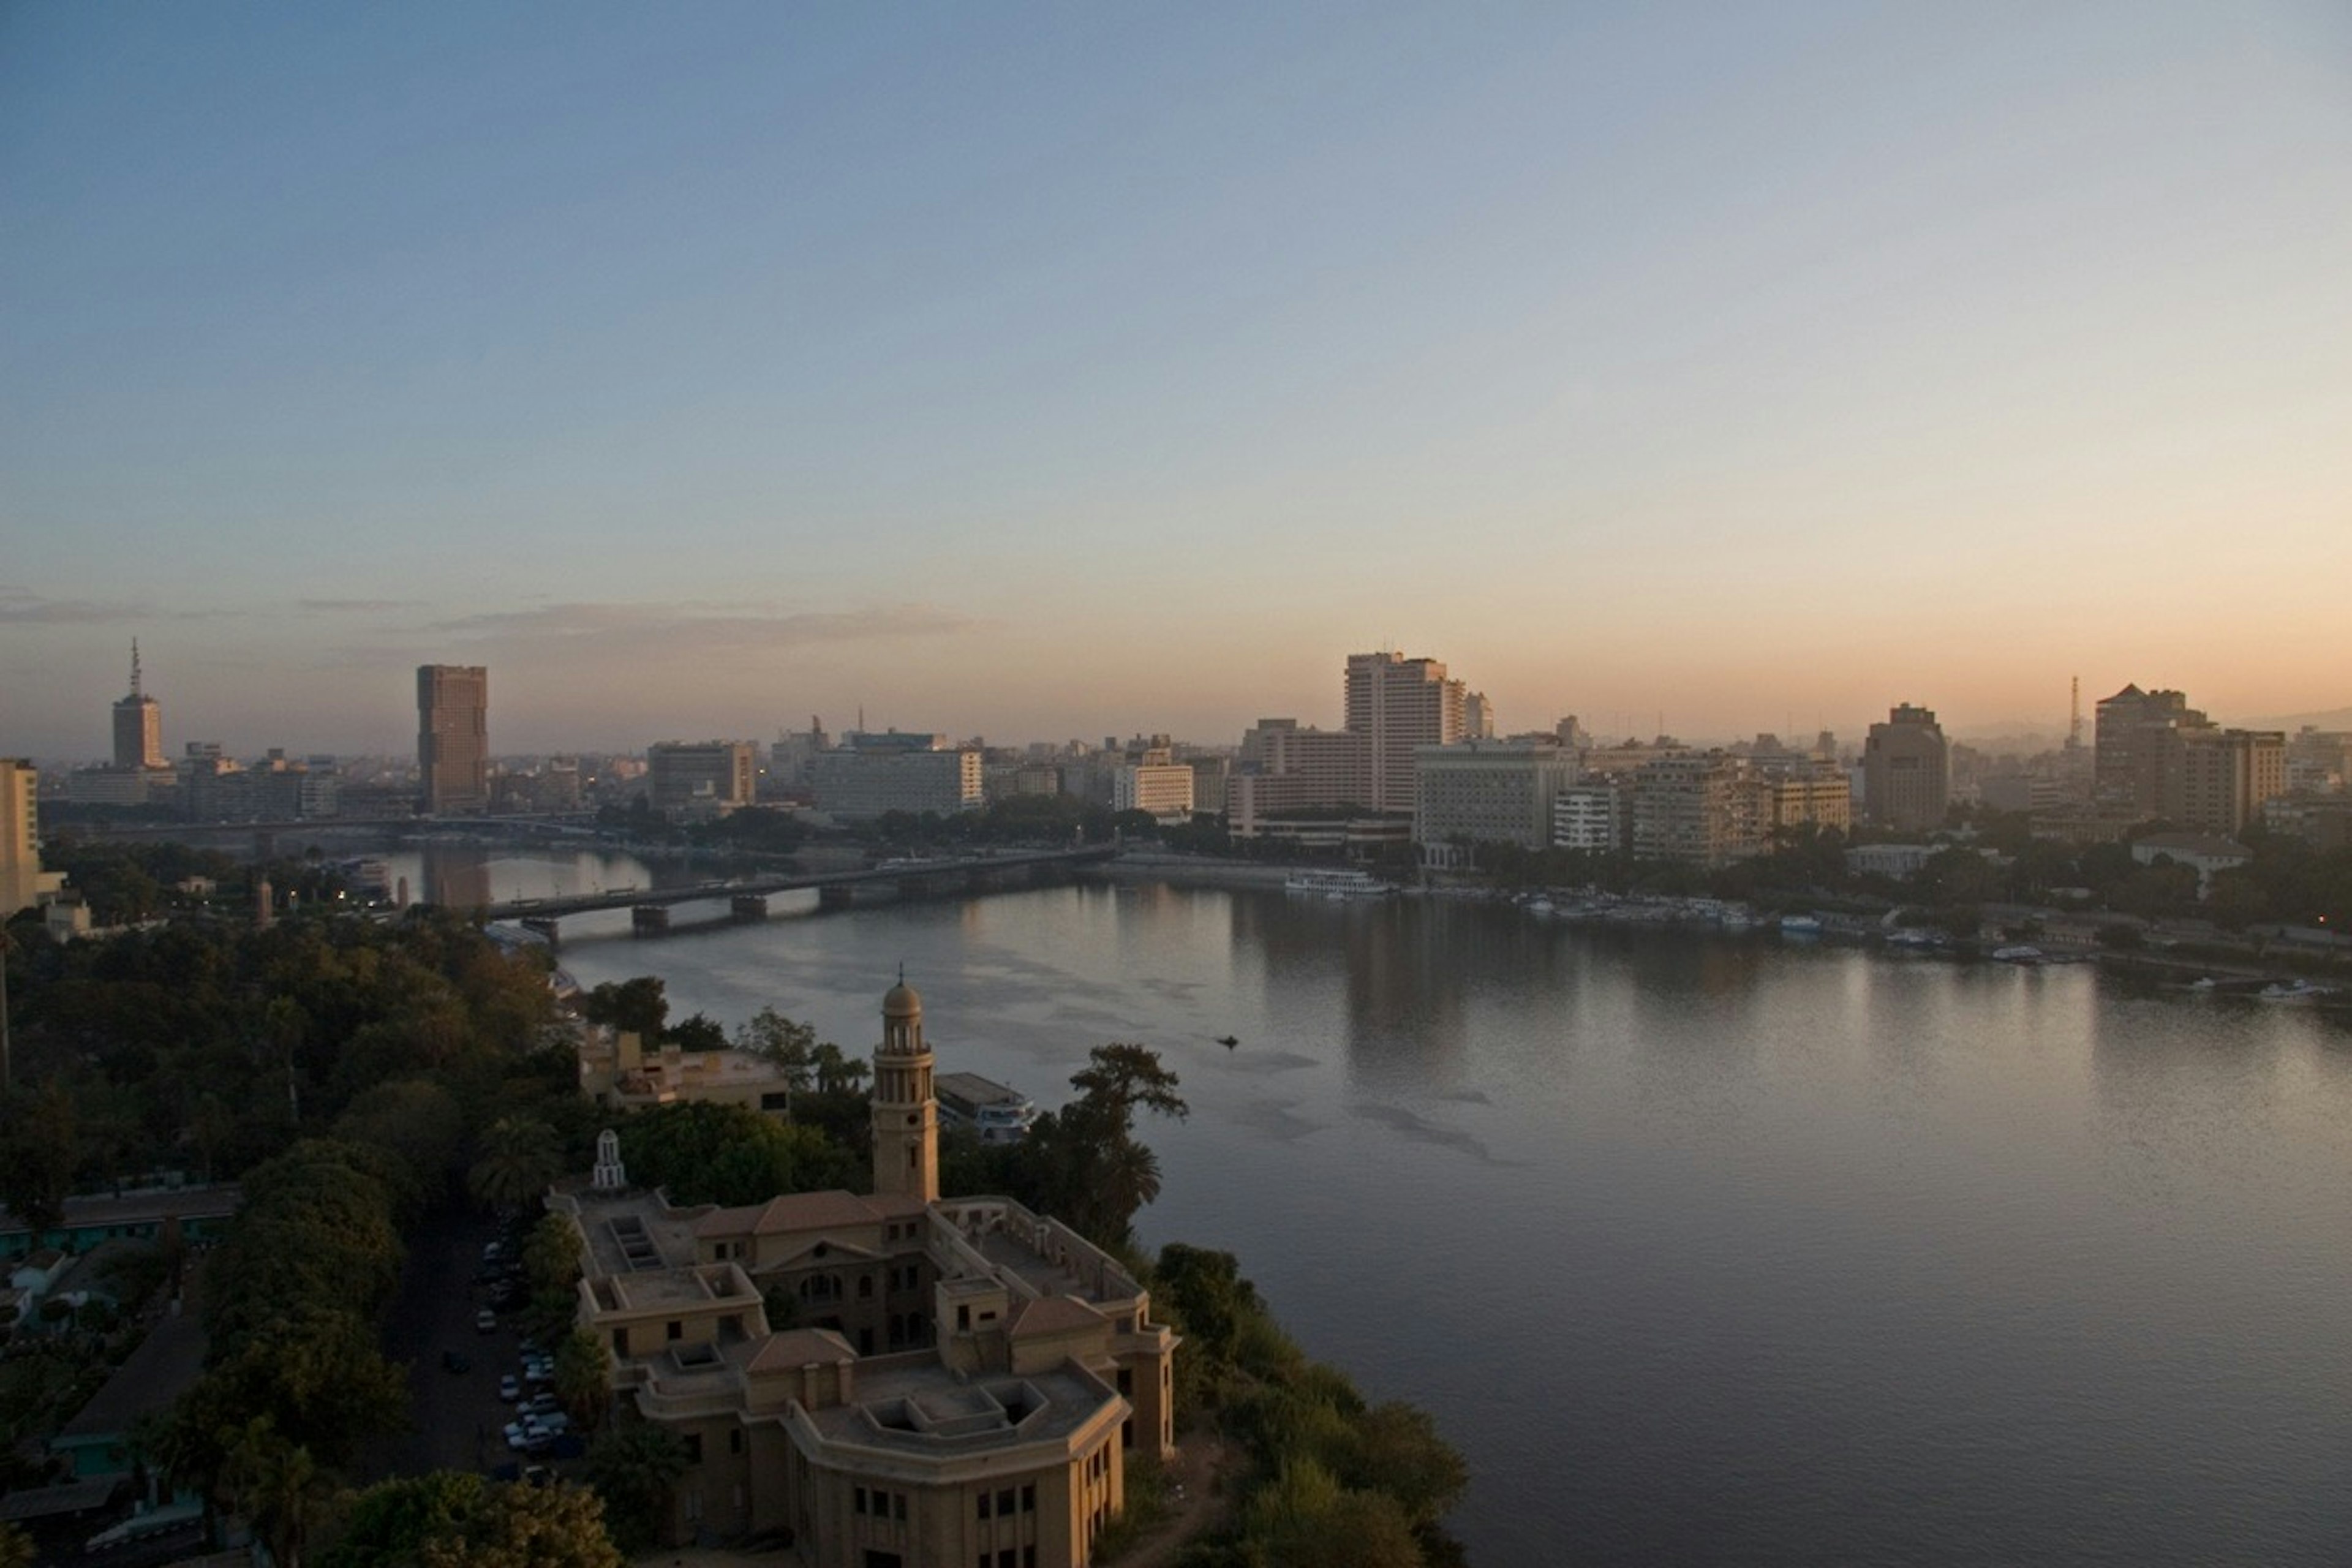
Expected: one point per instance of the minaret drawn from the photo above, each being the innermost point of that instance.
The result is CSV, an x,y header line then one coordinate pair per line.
x,y
906,1116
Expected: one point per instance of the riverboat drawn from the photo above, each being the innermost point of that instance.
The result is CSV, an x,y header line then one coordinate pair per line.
x,y
1337,884
998,1112
2292,991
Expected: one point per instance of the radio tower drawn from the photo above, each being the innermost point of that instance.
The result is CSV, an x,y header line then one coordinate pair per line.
x,y
2074,717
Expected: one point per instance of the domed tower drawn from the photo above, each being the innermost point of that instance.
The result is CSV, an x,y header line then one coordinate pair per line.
x,y
906,1116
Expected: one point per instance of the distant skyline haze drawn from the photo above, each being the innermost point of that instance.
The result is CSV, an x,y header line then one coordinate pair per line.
x,y
1041,372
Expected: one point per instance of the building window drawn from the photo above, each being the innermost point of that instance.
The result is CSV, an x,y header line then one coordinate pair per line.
x,y
1029,1498
858,1504
899,1506
1126,1381
1004,1503
735,1440
674,1330
1126,1433
620,1342
983,1506
865,1287
1004,1559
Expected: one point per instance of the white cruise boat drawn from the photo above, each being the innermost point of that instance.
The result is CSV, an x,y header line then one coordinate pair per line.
x,y
2292,991
998,1112
1337,884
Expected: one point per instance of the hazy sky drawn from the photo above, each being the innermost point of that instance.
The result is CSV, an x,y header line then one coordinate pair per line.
x,y
1041,371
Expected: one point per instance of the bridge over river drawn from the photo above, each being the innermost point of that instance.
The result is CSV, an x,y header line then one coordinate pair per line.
x,y
747,896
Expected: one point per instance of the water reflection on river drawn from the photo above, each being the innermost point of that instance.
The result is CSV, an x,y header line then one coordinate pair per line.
x,y
1702,1250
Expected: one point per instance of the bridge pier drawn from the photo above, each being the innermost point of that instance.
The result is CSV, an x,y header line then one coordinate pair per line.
x,y
747,908
649,920
545,926
835,896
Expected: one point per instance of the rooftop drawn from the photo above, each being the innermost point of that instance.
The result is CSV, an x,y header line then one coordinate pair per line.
x,y
913,1404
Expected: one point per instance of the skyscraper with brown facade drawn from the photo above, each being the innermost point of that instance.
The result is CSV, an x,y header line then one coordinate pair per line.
x,y
453,740
1907,770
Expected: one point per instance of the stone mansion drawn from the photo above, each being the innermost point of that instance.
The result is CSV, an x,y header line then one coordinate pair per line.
x,y
960,1385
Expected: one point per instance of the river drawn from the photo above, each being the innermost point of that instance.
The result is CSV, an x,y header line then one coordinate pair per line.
x,y
1701,1249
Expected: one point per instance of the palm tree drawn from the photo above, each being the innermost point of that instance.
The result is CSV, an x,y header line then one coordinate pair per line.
x,y
583,1377
279,1486
520,1155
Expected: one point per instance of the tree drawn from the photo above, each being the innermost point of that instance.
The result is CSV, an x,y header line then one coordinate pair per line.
x,y
276,1486
38,1153
520,1155
837,1071
1084,1161
1304,1518
451,1520
391,1521
16,1547
637,1006
528,1526
698,1032
1394,1450
583,1377
708,1152
632,1468
790,1046
550,1254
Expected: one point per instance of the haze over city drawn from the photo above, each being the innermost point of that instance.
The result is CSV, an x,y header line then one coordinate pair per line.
x,y
1037,373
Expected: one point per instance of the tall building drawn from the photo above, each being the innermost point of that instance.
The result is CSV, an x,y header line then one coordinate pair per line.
x,y
2131,736
138,724
453,738
2215,781
964,1380
1399,705
1907,770
20,836
710,776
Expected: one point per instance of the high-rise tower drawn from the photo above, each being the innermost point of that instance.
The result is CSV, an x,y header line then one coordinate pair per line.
x,y
1399,703
1907,780
20,834
905,1115
138,724
453,742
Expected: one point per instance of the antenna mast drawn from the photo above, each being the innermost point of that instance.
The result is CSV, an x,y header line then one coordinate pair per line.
x,y
134,667
2074,716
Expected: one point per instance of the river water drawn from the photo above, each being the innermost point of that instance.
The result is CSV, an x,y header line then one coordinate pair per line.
x,y
1701,1249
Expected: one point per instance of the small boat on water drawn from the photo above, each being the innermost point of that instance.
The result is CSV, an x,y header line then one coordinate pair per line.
x,y
2292,991
1229,1041
2024,953
1801,925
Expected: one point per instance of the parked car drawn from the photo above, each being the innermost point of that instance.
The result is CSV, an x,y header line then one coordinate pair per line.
x,y
508,1389
485,1320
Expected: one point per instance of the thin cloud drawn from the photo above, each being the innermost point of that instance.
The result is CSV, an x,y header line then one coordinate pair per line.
x,y
22,607
702,625
355,606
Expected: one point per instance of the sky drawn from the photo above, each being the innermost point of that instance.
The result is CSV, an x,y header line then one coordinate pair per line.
x,y
1039,372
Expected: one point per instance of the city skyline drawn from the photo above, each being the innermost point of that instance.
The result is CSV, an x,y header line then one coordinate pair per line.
x,y
1036,377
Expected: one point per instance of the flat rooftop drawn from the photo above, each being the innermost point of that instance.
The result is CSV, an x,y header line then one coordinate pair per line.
x,y
912,1403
